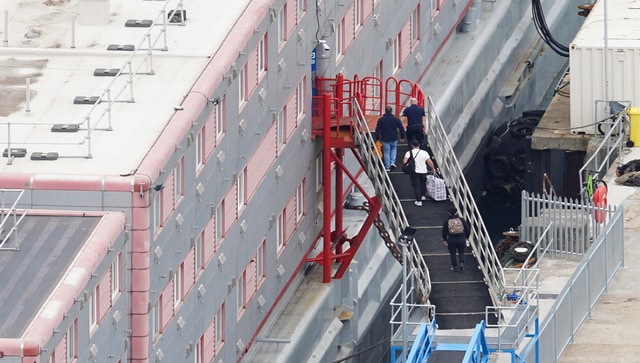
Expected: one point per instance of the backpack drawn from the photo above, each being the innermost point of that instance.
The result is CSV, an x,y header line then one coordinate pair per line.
x,y
455,226
410,166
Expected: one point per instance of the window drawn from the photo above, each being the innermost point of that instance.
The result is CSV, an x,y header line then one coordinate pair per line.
x,y
262,56
220,118
395,48
199,146
198,252
261,261
300,201
280,232
198,356
300,98
178,279
436,5
339,39
242,86
93,310
415,26
357,8
178,182
280,129
219,329
155,319
115,276
301,7
219,222
242,189
282,26
72,341
156,208
241,295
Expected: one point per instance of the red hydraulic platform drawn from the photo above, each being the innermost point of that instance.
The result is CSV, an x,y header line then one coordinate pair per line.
x,y
333,120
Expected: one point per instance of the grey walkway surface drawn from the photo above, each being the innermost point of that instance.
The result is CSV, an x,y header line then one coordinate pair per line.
x,y
613,332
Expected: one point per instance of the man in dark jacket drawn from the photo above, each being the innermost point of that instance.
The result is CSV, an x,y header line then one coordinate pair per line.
x,y
455,233
416,122
387,130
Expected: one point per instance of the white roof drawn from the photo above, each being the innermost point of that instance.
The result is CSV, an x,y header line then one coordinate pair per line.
x,y
623,27
40,44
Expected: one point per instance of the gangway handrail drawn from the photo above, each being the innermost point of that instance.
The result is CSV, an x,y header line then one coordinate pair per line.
x,y
593,166
460,195
390,202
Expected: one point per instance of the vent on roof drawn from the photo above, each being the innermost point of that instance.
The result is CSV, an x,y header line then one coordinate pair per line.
x,y
135,23
15,152
85,100
106,72
44,156
177,16
65,128
123,47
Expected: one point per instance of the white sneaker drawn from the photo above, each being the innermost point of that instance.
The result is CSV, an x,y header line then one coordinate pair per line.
x,y
424,198
419,204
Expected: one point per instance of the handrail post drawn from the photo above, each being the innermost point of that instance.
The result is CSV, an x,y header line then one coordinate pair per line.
x,y
326,195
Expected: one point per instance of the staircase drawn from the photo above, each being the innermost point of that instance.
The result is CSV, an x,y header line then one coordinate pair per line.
x,y
457,301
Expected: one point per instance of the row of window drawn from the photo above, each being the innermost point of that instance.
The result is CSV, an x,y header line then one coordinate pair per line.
x,y
226,213
100,301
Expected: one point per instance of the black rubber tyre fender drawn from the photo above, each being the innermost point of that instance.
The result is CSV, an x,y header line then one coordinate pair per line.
x,y
533,114
492,145
499,166
522,129
519,160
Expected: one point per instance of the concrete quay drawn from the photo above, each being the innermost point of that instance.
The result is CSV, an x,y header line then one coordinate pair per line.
x,y
612,334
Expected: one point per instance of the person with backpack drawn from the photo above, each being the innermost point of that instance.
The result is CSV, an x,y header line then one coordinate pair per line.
x,y
455,233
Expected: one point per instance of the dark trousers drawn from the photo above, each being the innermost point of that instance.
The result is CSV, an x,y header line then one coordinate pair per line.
x,y
419,183
416,132
456,245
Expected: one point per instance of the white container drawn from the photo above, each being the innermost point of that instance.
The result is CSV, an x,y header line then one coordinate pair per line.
x,y
589,87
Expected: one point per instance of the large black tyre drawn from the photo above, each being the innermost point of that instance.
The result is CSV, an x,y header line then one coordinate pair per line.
x,y
519,160
522,129
533,114
499,166
492,145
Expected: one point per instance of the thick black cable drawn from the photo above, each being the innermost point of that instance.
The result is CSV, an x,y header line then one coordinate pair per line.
x,y
543,30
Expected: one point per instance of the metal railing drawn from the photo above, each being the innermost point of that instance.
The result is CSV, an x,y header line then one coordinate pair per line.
x,y
461,196
120,89
390,202
596,167
588,283
403,329
575,225
11,217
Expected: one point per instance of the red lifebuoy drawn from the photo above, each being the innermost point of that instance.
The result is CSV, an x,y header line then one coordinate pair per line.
x,y
600,202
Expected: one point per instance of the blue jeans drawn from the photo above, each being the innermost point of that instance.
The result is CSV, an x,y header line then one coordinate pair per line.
x,y
389,149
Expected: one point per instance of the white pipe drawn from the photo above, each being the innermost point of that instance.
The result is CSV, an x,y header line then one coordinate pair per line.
x,y
6,28
27,95
73,31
